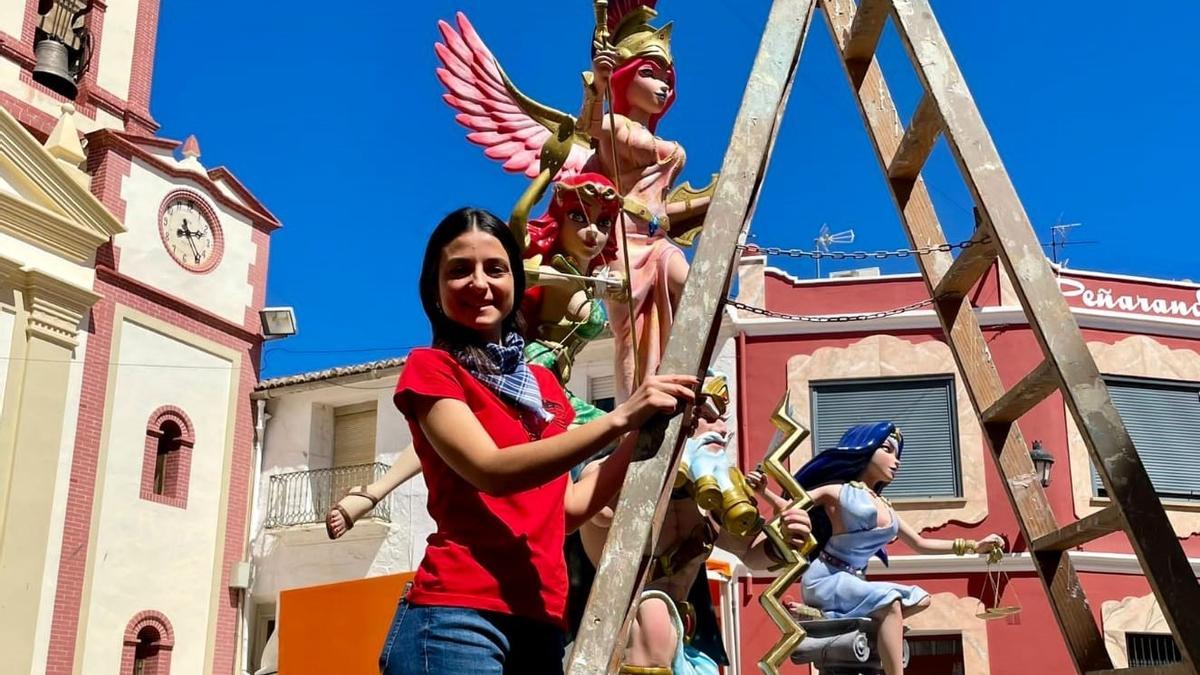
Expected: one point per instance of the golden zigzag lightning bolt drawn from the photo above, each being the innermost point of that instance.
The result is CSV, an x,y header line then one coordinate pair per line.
x,y
791,434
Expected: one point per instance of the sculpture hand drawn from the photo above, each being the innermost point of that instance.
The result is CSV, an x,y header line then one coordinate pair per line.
x,y
757,480
990,543
615,289
603,64
797,526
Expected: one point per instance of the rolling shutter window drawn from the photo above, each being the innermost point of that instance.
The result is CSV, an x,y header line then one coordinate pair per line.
x,y
1163,419
354,435
924,409
602,392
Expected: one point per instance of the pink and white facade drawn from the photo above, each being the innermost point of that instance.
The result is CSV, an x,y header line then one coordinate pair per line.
x,y
130,282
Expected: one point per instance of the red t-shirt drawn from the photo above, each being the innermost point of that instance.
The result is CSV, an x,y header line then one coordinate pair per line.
x,y
502,554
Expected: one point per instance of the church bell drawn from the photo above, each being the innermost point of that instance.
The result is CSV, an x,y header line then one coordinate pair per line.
x,y
52,69
62,45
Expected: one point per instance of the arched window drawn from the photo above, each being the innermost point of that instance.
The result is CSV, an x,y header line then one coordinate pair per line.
x,y
168,443
167,458
145,652
148,644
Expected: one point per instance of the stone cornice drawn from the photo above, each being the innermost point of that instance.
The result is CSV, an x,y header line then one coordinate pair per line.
x,y
83,215
55,307
47,229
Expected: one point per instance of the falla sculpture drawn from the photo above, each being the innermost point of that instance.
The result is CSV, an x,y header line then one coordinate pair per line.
x,y
633,71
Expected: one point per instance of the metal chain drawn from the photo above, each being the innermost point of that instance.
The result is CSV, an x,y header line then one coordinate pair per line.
x,y
755,249
835,318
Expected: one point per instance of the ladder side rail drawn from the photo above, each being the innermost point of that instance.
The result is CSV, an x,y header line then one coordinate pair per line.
x,y
971,354
923,228
620,574
1108,442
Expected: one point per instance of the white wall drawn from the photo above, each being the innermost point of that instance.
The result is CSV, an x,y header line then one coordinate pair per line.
x,y
12,17
10,83
224,290
114,63
149,555
299,437
58,512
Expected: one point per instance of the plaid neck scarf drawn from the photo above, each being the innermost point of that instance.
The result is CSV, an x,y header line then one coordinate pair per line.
x,y
514,382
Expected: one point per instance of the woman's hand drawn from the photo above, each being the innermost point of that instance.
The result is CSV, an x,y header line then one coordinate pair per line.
x,y
990,543
603,64
658,394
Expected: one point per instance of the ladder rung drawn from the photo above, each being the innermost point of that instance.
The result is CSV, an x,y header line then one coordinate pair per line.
x,y
866,29
1174,669
918,141
1100,523
966,270
1030,391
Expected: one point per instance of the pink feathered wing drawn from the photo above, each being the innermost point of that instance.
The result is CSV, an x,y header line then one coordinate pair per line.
x,y
475,89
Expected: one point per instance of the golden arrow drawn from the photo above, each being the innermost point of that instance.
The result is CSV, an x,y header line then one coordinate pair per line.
x,y
794,562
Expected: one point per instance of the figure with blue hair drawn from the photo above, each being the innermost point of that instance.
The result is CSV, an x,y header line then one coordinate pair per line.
x,y
852,523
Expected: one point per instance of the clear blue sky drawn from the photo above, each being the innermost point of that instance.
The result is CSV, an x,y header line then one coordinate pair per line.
x,y
332,115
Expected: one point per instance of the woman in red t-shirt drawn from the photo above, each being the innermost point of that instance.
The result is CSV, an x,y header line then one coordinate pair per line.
x,y
492,435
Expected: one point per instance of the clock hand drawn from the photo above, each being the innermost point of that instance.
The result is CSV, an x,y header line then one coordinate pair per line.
x,y
191,241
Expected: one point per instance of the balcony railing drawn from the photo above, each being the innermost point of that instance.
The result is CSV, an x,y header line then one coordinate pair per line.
x,y
304,497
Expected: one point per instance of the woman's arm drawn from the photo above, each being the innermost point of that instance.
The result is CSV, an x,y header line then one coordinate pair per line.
x,y
462,442
596,487
920,544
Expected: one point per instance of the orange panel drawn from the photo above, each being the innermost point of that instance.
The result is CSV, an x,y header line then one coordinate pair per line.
x,y
338,628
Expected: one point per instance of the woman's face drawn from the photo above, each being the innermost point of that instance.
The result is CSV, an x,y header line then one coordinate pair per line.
x,y
651,87
475,283
884,466
585,231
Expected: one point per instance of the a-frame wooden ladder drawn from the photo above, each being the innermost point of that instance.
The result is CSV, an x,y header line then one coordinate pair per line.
x,y
946,109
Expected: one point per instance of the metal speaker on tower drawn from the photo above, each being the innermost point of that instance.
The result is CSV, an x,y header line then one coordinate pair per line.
x,y
62,45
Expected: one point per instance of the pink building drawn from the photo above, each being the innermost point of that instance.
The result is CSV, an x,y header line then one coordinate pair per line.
x,y
1145,337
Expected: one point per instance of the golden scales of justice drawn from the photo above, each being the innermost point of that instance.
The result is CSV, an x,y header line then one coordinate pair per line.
x,y
997,580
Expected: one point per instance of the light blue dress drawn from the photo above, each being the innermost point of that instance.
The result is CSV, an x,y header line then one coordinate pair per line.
x,y
840,592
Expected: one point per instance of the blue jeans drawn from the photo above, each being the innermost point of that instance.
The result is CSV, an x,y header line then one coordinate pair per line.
x,y
457,641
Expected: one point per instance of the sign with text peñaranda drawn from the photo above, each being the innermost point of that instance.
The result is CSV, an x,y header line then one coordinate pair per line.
x,y
1130,296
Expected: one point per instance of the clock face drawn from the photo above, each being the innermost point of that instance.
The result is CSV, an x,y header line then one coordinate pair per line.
x,y
190,232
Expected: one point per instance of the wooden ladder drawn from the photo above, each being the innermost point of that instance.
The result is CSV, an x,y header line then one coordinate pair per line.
x,y
1005,234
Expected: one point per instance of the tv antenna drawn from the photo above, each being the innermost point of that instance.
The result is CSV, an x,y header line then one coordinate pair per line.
x,y
825,239
1059,239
